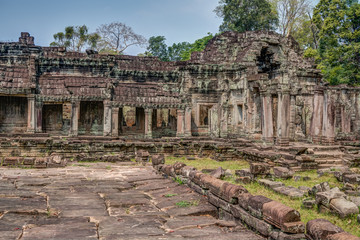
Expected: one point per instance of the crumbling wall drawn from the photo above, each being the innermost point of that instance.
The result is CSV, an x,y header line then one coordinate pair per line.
x,y
13,114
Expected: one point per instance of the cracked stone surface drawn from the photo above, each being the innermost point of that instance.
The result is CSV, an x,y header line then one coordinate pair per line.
x,y
105,201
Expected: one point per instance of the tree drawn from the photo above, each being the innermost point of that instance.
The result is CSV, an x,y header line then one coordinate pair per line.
x,y
307,33
75,38
245,15
157,47
176,51
291,14
117,37
198,46
339,40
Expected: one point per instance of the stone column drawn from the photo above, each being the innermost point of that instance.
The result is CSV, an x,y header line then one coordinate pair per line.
x,y
317,117
187,122
224,121
39,109
115,122
31,121
283,118
107,118
180,130
328,128
148,122
74,122
292,117
357,114
267,118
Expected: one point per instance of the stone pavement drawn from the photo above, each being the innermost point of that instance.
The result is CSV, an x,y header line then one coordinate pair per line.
x,y
105,201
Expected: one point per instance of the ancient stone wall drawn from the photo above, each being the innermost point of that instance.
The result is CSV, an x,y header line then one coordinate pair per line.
x,y
254,85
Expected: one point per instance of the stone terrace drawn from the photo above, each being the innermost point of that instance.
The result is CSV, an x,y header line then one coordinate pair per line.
x,y
105,201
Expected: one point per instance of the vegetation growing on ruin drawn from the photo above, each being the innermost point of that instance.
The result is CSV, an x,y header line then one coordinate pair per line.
x,y
349,224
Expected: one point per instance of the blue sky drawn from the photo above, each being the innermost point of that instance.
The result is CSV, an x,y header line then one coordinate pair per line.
x,y
177,20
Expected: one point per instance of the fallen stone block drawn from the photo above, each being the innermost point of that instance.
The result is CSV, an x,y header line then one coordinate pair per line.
x,y
219,173
261,226
243,173
259,169
343,207
243,199
12,161
256,204
282,172
270,184
28,161
289,191
283,217
185,171
343,236
354,199
245,180
318,229
324,198
177,167
308,203
352,178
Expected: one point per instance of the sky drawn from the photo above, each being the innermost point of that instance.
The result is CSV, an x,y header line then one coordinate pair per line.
x,y
177,20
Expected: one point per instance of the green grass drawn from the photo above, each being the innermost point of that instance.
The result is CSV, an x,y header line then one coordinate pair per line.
x,y
185,203
170,195
81,165
348,224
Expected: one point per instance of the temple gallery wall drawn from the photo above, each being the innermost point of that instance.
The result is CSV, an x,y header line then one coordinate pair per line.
x,y
253,85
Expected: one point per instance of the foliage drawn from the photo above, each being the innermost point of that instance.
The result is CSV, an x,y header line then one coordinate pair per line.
x,y
198,46
339,45
176,52
75,38
117,37
185,203
291,14
242,15
179,180
158,48
170,195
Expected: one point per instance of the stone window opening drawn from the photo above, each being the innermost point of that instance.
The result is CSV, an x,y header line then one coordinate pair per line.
x,y
240,114
204,115
266,63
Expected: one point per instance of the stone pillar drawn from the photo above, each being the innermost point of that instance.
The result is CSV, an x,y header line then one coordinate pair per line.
x,y
148,123
187,122
107,118
180,130
267,118
317,117
224,122
38,113
283,118
74,122
292,117
31,121
115,122
328,128
357,115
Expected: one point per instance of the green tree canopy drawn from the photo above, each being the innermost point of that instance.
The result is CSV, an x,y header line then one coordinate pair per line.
x,y
75,38
244,15
339,40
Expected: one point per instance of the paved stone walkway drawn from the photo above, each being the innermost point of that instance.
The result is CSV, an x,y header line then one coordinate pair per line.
x,y
105,201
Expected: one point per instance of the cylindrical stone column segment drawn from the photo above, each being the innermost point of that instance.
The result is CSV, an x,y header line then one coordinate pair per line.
x,y
328,130
187,122
180,130
115,122
75,113
283,118
39,110
317,117
31,121
267,118
107,118
148,122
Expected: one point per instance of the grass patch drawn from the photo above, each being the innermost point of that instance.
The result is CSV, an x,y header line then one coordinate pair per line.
x,y
348,224
108,167
179,180
185,203
170,195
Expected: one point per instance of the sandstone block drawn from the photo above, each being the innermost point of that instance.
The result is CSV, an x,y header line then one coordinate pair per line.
x,y
219,173
319,229
256,204
259,168
158,159
282,172
324,198
283,217
343,207
343,236
270,184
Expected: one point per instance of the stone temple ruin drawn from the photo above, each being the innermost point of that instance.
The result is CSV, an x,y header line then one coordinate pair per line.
x,y
247,95
251,86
